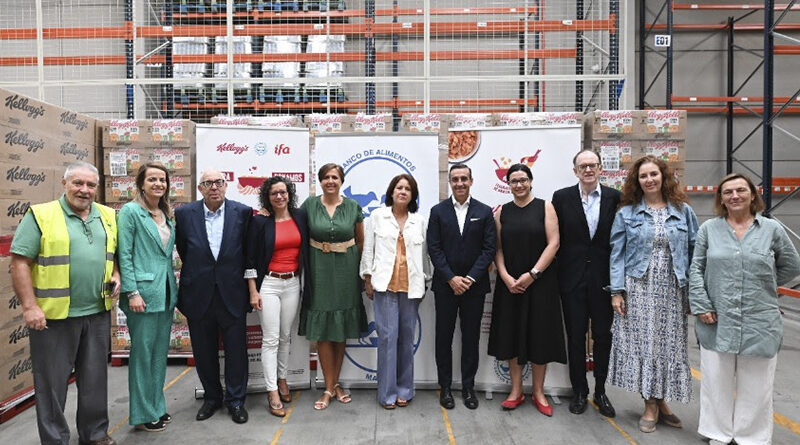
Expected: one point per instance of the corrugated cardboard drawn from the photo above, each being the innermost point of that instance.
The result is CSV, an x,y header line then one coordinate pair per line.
x,y
147,133
29,114
16,376
329,123
373,123
122,188
126,161
669,124
11,213
30,182
27,147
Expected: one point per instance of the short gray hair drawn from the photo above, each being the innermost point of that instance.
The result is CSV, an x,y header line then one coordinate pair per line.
x,y
80,165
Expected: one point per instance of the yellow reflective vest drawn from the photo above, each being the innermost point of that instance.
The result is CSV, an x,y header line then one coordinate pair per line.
x,y
50,273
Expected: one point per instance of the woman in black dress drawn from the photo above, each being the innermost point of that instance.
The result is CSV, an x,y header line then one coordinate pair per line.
x,y
527,325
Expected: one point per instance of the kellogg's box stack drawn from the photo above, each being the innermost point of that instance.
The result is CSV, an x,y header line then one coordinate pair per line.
x,y
16,376
129,143
623,136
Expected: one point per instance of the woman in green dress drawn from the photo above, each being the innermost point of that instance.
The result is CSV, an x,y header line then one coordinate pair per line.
x,y
336,311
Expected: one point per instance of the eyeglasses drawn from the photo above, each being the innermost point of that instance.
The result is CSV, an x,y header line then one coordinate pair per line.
x,y
592,166
522,181
278,193
218,182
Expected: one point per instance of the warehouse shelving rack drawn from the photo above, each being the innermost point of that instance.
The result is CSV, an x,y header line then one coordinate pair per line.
x,y
425,24
767,107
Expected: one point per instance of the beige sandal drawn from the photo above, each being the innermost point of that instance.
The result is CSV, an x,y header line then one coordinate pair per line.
x,y
345,397
321,404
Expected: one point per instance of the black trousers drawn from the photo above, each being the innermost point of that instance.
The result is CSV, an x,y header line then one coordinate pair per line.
x,y
583,303
206,332
469,308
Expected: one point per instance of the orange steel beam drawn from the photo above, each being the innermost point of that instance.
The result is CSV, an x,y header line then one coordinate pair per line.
x,y
702,99
789,292
712,188
301,57
442,28
380,104
787,49
737,111
722,26
729,7
353,13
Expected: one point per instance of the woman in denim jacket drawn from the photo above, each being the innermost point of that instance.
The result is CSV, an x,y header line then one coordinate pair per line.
x,y
652,240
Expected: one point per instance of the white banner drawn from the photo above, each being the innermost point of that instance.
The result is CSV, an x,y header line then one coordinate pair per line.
x,y
246,157
548,151
370,161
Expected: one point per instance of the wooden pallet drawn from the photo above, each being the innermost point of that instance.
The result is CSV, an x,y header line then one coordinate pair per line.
x,y
120,358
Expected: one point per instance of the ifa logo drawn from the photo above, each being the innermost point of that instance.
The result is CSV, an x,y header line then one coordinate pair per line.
x,y
282,149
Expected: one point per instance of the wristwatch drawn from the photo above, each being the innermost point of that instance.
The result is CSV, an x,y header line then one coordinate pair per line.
x,y
535,273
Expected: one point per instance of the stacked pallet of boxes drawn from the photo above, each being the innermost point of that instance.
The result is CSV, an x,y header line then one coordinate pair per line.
x,y
128,144
37,141
622,137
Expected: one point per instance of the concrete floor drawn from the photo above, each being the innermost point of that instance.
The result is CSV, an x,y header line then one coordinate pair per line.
x,y
424,422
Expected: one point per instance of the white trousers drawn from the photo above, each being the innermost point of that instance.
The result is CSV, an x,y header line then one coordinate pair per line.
x,y
736,397
280,300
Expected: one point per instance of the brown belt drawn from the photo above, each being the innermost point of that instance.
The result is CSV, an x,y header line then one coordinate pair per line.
x,y
332,247
283,275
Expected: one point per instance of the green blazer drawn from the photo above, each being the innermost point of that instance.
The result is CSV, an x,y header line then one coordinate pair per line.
x,y
144,263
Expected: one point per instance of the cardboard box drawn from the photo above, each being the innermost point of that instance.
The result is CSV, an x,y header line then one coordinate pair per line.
x,y
44,119
519,119
611,124
26,147
670,151
179,340
616,153
16,376
284,121
126,161
430,122
329,123
230,120
370,123
31,182
615,179
122,188
147,133
472,120
120,338
560,117
11,213
664,123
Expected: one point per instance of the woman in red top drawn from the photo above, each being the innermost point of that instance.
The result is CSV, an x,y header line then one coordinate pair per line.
x,y
277,259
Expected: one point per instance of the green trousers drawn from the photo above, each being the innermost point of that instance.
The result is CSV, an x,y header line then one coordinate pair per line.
x,y
147,366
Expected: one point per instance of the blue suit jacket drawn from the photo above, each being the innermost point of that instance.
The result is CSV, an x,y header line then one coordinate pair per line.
x,y
454,253
144,263
201,273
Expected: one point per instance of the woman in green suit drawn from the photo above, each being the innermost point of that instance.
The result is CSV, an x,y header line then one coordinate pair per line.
x,y
148,294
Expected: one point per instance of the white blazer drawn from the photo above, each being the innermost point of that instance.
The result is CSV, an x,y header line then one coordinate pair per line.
x,y
380,249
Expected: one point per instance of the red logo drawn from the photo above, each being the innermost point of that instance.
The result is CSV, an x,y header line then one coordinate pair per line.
x,y
293,176
228,176
232,147
282,149
505,163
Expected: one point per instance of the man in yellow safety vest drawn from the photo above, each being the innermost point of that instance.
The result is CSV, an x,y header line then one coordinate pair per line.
x,y
64,272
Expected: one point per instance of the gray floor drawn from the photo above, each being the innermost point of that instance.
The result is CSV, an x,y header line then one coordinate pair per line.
x,y
424,422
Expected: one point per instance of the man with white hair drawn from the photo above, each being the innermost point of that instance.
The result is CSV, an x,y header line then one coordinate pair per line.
x,y
213,293
67,308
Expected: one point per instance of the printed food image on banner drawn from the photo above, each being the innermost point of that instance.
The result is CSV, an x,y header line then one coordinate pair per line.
x,y
248,156
370,161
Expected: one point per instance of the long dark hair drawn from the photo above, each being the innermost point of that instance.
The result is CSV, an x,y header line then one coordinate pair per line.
x,y
263,193
670,188
141,174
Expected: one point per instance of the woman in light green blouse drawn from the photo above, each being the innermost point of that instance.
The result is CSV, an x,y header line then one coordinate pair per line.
x,y
740,258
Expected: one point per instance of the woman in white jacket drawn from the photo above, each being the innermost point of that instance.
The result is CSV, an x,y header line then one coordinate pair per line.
x,y
395,268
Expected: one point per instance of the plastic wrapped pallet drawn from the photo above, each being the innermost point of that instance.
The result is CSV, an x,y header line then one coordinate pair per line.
x,y
241,45
190,46
281,45
325,44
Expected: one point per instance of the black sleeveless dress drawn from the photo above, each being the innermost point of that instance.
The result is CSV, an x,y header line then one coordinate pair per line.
x,y
528,326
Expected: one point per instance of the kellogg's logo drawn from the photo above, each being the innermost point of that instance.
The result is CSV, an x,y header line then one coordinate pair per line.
x,y
16,102
18,334
14,302
24,174
123,124
21,367
71,148
18,209
232,147
17,137
70,118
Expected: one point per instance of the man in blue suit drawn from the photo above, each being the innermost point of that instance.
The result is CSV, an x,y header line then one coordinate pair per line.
x,y
213,294
461,243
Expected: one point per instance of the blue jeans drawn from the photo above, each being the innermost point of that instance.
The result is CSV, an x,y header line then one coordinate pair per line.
x,y
395,320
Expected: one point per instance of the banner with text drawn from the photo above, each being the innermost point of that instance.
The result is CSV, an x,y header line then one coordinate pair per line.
x,y
370,161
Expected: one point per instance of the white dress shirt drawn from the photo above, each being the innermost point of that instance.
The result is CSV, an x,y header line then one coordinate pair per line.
x,y
380,249
461,212
591,208
215,224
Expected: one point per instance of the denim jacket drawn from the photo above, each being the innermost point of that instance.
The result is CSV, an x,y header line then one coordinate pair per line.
x,y
632,242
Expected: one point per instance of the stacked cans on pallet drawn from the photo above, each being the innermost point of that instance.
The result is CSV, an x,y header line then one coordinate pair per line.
x,y
37,141
195,92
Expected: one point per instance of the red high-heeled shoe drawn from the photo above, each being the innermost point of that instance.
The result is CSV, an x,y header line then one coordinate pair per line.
x,y
514,403
547,410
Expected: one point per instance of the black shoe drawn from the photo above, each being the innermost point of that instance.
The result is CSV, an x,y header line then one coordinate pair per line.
x,y
166,418
578,403
152,427
207,410
238,413
446,399
470,399
604,405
